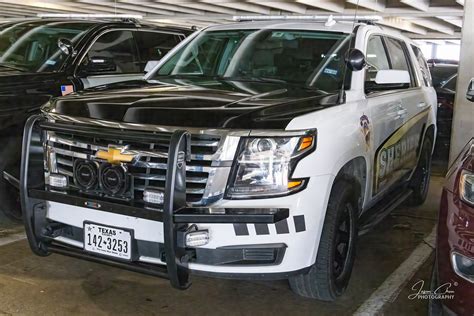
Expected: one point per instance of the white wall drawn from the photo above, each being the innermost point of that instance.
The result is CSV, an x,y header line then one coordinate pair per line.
x,y
463,120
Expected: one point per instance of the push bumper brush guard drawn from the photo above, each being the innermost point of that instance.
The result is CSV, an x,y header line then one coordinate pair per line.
x,y
176,216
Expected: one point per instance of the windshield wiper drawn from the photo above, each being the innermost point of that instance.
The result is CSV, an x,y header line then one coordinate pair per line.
x,y
185,76
255,79
270,80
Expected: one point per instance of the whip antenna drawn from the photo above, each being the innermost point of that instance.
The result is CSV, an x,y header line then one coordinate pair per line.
x,y
341,91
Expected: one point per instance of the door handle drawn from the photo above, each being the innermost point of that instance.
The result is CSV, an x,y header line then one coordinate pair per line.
x,y
421,105
401,113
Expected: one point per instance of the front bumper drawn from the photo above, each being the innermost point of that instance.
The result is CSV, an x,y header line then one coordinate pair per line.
x,y
54,222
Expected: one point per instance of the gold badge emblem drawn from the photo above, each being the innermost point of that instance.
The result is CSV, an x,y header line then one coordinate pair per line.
x,y
115,155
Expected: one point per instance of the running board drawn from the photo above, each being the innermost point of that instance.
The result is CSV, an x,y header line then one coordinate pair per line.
x,y
379,211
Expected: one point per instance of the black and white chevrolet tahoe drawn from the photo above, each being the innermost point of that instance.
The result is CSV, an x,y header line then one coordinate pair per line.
x,y
256,150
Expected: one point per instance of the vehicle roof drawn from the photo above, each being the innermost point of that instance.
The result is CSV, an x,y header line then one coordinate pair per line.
x,y
103,22
342,27
311,25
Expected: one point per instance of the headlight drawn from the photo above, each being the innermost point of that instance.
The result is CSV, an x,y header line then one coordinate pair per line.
x,y
466,187
263,166
463,266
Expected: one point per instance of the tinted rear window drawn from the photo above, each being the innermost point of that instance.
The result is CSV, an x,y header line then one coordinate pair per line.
x,y
442,73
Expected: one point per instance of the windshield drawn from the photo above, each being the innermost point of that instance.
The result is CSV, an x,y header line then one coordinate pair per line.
x,y
33,46
307,58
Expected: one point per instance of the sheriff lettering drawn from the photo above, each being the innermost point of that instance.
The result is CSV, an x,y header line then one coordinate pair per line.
x,y
396,156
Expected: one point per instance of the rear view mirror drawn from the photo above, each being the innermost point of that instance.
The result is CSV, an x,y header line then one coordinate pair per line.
x,y
392,77
355,60
66,46
470,91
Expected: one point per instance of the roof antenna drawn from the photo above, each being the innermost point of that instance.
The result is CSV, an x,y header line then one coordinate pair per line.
x,y
342,94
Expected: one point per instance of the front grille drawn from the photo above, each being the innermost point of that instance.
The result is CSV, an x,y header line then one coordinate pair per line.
x,y
148,172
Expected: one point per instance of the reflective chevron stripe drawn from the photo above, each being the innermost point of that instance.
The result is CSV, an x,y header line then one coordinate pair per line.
x,y
281,227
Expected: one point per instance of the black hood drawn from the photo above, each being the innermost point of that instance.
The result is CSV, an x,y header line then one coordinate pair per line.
x,y
205,104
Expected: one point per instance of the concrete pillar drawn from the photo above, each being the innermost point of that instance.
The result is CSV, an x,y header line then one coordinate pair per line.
x,y
463,119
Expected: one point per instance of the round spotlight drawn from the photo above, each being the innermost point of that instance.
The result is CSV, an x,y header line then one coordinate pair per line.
x,y
113,180
85,174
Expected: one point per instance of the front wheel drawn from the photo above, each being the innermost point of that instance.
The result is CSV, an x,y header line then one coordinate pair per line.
x,y
329,276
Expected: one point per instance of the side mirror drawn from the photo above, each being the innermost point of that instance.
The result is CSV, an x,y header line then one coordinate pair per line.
x,y
392,77
66,46
98,65
470,91
355,60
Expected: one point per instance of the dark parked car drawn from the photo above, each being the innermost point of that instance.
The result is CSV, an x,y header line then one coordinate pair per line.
x,y
454,266
45,58
444,78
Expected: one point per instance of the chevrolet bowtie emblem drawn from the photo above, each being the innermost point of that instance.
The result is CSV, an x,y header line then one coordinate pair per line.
x,y
115,155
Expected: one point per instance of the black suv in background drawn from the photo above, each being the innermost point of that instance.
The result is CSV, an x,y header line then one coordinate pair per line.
x,y
45,58
444,76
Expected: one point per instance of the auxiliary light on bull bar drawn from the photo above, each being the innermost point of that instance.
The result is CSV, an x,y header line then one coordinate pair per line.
x,y
57,181
197,238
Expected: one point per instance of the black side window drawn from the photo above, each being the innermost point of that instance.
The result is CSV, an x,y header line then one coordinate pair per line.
x,y
114,52
451,83
152,46
423,66
398,56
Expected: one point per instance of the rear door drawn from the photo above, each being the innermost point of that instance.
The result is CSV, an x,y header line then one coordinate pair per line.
x,y
384,117
408,139
397,148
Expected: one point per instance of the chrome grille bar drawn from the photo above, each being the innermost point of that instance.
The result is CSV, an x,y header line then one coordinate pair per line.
x,y
142,153
148,169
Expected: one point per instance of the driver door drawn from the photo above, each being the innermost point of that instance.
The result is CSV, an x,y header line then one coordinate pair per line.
x,y
113,57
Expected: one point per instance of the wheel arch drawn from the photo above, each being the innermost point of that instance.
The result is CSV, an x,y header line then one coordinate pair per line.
x,y
430,133
355,171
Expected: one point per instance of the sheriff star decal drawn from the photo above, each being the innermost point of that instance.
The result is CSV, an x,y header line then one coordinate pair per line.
x,y
365,128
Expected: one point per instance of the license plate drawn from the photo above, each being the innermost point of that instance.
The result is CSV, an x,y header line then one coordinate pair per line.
x,y
108,241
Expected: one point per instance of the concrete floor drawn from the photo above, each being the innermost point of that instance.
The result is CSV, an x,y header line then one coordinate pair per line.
x,y
58,285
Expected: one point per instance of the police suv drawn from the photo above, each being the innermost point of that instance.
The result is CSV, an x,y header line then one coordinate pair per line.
x,y
255,150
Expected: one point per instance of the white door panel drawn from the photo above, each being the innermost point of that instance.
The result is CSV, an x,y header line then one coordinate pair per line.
x,y
386,119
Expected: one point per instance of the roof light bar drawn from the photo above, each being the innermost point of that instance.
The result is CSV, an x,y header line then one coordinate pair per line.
x,y
90,16
322,18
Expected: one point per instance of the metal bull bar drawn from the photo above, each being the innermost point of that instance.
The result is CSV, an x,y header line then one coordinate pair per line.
x,y
175,199
176,215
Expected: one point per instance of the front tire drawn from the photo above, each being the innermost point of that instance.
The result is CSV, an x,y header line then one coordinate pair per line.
x,y
329,276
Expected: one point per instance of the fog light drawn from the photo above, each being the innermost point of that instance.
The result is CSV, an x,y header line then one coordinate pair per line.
x,y
197,238
154,197
57,181
463,266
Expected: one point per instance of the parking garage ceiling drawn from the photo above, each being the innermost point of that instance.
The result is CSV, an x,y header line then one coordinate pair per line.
x,y
418,18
